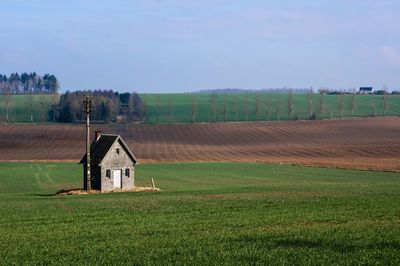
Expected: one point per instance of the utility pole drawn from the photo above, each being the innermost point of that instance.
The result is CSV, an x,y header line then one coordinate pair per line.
x,y
87,108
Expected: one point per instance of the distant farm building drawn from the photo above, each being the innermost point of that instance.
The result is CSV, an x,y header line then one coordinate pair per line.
x,y
112,164
366,90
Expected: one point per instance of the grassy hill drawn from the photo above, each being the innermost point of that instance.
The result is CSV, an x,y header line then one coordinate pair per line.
x,y
166,108
20,106
177,107
206,214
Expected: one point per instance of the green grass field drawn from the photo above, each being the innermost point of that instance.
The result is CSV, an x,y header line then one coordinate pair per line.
x,y
20,106
207,214
178,107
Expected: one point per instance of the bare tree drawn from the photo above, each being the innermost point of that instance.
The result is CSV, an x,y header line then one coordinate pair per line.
x,y
194,107
353,103
41,103
257,106
341,104
225,111
7,100
158,108
55,99
15,85
321,104
269,106
31,106
246,108
384,101
170,110
131,107
30,85
118,107
113,106
144,109
278,109
290,104
236,108
213,106
310,97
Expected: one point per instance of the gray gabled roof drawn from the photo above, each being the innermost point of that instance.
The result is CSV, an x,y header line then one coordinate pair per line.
x,y
366,88
100,148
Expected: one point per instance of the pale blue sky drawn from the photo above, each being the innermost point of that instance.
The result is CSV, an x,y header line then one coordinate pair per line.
x,y
185,45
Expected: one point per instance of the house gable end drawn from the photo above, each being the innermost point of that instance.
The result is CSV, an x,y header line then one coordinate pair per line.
x,y
114,159
111,151
128,151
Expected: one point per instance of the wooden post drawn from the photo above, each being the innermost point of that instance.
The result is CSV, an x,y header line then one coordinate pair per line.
x,y
87,104
152,183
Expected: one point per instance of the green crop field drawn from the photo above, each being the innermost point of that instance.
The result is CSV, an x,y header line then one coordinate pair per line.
x,y
167,108
206,214
27,108
177,107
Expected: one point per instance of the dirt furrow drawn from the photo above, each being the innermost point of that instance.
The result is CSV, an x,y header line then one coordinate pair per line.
x,y
353,143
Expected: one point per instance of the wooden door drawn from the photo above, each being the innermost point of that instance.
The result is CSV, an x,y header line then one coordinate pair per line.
x,y
117,179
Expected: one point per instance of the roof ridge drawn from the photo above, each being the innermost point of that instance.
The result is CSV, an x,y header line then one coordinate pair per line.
x,y
101,147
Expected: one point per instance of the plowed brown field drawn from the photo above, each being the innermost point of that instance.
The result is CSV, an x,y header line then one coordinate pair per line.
x,y
355,143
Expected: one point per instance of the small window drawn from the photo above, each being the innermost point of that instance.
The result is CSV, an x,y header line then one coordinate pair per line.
x,y
127,172
117,150
108,173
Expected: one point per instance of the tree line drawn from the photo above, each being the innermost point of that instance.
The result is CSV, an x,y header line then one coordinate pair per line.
x,y
31,83
114,107
265,107
107,106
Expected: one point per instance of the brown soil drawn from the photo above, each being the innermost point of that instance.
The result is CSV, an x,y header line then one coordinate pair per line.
x,y
372,143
